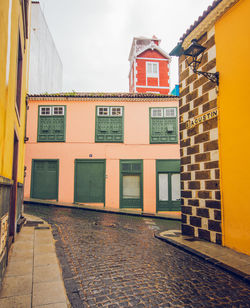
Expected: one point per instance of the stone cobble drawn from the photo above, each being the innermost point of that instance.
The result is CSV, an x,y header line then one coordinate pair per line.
x,y
111,260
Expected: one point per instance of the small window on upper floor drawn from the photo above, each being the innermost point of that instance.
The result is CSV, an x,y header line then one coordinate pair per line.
x,y
51,124
58,110
170,112
116,111
163,125
103,111
157,112
45,111
152,69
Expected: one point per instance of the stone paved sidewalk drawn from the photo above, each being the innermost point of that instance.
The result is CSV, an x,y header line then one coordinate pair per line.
x,y
228,259
33,277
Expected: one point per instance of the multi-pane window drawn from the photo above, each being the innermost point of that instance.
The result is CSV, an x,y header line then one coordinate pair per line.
x,y
163,125
51,124
152,69
109,124
58,110
45,111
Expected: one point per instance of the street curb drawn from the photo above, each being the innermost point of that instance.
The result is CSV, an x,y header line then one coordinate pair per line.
x,y
148,215
225,267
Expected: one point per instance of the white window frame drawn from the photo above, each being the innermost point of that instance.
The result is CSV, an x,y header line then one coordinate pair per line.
x,y
109,110
44,108
58,114
157,116
115,115
103,115
166,110
149,72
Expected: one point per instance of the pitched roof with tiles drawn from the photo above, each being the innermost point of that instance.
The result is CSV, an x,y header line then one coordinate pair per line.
x,y
200,19
102,95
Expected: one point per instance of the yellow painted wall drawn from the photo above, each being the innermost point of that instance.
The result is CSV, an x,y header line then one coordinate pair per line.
x,y
232,37
9,121
4,7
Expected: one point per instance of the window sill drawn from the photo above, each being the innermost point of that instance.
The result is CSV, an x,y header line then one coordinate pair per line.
x,y
174,142
49,141
98,141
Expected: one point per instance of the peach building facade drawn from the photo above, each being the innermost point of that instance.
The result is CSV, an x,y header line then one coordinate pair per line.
x,y
113,150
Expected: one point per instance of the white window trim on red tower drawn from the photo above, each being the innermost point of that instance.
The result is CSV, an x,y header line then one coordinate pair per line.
x,y
152,69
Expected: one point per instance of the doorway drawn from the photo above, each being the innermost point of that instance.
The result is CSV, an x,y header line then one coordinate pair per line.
x,y
131,175
89,181
44,180
168,185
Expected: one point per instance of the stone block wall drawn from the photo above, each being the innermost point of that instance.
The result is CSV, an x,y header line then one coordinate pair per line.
x,y
200,172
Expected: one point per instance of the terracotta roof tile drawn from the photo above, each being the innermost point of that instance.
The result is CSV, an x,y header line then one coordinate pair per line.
x,y
200,19
104,95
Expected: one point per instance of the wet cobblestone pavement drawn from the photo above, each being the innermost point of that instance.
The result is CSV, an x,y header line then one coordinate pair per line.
x,y
111,260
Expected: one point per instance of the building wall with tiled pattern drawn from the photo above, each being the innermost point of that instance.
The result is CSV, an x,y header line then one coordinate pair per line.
x,y
200,173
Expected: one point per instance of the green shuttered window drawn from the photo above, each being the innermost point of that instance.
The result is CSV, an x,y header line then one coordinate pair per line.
x,y
109,124
163,125
51,124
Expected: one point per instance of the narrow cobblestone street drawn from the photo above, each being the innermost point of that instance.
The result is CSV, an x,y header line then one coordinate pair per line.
x,y
111,260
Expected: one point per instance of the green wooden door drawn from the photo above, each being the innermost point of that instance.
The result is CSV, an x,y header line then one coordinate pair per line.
x,y
89,180
131,195
44,182
168,185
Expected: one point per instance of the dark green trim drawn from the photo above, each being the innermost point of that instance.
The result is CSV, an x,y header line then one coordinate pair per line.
x,y
140,161
32,175
108,117
104,176
170,166
64,124
150,127
177,51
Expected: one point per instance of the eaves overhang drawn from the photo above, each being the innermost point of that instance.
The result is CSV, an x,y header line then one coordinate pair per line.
x,y
177,51
154,47
202,24
122,97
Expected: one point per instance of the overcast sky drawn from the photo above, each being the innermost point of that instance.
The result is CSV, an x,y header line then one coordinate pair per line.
x,y
94,37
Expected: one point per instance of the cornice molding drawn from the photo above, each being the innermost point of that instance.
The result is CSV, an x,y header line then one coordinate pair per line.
x,y
208,22
105,99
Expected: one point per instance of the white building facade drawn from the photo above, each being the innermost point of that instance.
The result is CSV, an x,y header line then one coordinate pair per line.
x,y
45,67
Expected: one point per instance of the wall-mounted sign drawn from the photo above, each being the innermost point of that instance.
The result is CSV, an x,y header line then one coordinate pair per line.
x,y
202,118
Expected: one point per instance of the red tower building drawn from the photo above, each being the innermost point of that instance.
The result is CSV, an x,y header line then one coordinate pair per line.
x,y
149,66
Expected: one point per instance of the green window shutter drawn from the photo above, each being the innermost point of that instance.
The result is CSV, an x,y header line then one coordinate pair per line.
x,y
58,128
163,129
51,128
109,128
